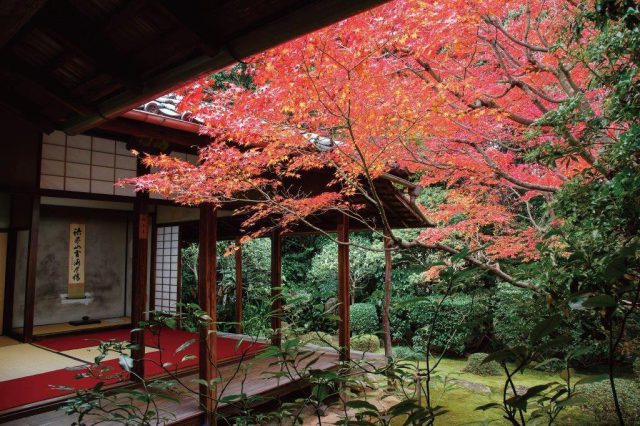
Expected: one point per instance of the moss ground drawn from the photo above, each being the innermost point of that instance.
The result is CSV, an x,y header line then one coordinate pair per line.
x,y
461,403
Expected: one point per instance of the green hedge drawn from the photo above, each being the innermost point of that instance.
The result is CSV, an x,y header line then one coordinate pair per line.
x,y
364,318
514,309
406,353
475,365
597,399
365,343
459,325
318,338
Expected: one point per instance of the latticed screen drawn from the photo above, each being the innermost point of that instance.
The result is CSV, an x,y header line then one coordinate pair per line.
x,y
167,253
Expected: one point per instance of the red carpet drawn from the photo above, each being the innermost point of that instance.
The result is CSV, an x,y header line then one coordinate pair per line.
x,y
30,389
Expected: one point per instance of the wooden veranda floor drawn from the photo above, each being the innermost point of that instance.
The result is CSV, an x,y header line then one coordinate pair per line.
x,y
254,382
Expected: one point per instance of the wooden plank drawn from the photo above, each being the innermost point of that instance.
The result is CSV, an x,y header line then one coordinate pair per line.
x,y
238,310
141,225
276,287
32,264
344,291
207,299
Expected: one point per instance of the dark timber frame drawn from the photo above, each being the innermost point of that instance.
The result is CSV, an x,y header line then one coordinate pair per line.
x,y
207,261
276,287
141,231
238,310
344,292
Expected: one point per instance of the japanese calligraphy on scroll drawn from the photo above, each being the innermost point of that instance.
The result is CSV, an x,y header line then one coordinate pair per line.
x,y
75,289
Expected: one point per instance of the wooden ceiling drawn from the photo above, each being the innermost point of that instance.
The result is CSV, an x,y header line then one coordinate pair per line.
x,y
73,64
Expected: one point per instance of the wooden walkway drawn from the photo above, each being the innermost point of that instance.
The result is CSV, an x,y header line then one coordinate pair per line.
x,y
252,382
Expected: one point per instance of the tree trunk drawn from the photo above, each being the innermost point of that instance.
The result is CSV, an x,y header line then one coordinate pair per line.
x,y
386,325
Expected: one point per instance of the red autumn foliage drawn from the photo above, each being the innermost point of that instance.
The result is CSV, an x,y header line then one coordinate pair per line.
x,y
449,91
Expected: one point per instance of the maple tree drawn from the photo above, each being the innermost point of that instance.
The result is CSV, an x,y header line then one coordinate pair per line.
x,y
457,93
519,118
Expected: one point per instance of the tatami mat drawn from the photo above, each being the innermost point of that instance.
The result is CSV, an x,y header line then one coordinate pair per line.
x,y
7,341
89,354
26,360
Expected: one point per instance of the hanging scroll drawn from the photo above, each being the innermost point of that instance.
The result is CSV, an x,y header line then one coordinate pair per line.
x,y
75,288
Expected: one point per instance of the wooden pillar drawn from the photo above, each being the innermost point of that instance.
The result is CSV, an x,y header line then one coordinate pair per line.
x,y
344,291
141,224
386,304
276,287
207,300
238,287
7,323
32,265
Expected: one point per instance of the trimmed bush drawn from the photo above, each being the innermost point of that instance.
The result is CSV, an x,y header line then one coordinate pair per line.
x,y
365,343
553,365
475,365
460,324
407,353
364,318
599,402
318,338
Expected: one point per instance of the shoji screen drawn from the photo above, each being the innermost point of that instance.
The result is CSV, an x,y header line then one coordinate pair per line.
x,y
166,268
84,163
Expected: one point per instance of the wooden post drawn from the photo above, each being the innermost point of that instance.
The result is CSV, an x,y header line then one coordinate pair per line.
x,y
141,222
238,287
344,293
207,300
386,325
276,287
7,323
32,265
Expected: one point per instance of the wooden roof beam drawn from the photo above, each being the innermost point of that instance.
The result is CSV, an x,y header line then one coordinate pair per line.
x,y
79,33
139,129
44,85
311,16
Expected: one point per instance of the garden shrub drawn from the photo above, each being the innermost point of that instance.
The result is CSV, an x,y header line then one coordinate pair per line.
x,y
318,338
475,365
553,365
460,323
364,318
513,307
598,400
407,353
365,343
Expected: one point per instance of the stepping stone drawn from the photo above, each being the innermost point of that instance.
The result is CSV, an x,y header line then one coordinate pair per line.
x,y
472,386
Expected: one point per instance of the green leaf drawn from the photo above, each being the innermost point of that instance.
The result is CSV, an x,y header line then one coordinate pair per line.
x,y
185,345
126,362
498,356
488,406
361,405
600,301
544,328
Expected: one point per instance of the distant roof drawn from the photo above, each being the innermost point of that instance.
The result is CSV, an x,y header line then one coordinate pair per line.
x,y
167,106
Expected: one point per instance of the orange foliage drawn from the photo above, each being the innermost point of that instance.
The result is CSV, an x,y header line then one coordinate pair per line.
x,y
447,90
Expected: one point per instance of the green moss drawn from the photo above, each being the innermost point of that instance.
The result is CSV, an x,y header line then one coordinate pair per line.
x,y
461,403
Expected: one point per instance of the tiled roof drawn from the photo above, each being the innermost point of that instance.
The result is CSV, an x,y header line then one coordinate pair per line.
x,y
166,106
